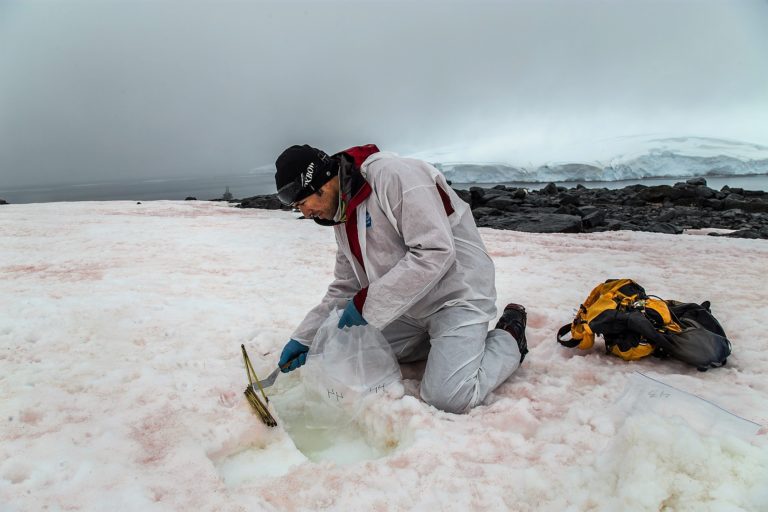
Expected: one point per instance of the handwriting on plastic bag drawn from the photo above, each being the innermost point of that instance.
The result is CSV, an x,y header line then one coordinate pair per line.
x,y
661,394
332,393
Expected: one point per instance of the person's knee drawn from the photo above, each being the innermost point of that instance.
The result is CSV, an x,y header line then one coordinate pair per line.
x,y
457,401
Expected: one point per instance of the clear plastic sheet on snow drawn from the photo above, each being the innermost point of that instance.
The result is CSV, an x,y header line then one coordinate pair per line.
x,y
644,395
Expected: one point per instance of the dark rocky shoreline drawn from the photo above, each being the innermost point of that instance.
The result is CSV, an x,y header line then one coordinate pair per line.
x,y
658,209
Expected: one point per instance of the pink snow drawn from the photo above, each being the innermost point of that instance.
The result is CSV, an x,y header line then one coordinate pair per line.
x,y
121,377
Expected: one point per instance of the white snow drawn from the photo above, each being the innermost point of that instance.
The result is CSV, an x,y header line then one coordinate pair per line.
x,y
121,376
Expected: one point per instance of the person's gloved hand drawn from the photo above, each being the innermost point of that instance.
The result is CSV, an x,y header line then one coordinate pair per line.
x,y
351,316
293,350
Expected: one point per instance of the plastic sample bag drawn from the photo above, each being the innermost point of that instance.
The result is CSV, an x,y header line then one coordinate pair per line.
x,y
346,367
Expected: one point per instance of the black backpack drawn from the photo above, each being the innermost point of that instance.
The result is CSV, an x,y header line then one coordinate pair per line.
x,y
635,325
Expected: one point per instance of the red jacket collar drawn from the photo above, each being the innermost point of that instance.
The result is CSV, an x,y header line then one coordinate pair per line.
x,y
354,188
360,153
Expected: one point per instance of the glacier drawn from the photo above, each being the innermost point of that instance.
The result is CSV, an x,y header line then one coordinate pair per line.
x,y
619,159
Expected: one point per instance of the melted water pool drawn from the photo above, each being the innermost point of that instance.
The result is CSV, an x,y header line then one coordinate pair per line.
x,y
324,435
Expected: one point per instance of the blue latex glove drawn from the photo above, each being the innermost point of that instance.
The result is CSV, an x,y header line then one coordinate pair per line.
x,y
351,316
295,352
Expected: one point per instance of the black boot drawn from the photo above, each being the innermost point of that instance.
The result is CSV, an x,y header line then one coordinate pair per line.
x,y
513,321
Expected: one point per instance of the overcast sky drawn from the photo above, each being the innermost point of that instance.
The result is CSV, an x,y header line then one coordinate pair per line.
x,y
111,89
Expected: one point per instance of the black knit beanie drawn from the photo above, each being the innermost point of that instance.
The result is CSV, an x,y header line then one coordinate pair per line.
x,y
301,171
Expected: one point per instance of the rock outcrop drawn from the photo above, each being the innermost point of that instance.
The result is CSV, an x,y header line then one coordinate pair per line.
x,y
655,208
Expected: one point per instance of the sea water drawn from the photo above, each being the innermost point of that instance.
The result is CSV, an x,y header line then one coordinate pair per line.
x,y
247,185
174,189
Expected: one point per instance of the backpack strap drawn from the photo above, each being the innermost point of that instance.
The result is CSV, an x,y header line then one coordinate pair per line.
x,y
581,334
571,343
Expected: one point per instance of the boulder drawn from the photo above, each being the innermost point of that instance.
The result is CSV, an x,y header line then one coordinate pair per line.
x,y
504,203
655,194
493,193
267,202
748,206
536,222
594,219
616,225
568,199
667,215
476,195
714,204
484,211
753,233
587,209
683,193
465,195
663,227
569,209
550,189
634,201
478,192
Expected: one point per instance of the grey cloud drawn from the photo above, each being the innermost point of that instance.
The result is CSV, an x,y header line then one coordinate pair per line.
x,y
100,90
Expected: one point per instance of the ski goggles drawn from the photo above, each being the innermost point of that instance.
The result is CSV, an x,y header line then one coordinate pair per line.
x,y
294,192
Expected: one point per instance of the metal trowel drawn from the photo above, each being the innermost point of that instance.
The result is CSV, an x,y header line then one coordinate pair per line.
x,y
269,380
272,376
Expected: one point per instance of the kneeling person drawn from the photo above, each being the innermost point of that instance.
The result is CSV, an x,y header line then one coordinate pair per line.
x,y
410,261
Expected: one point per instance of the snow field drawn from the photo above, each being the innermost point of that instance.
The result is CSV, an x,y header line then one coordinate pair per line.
x,y
121,377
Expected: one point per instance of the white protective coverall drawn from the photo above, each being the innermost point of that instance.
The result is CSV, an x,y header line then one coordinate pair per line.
x,y
430,282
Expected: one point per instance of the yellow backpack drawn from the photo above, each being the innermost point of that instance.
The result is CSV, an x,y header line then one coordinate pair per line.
x,y
635,325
